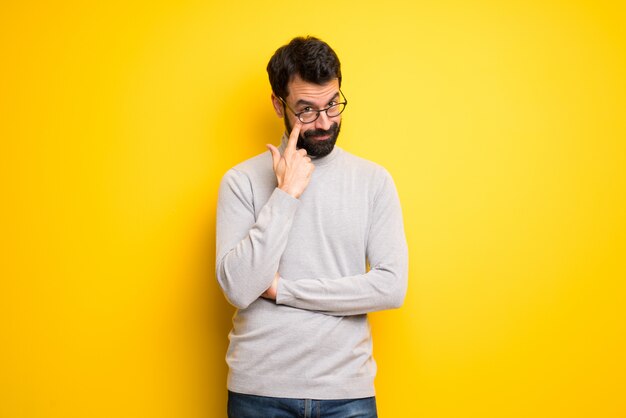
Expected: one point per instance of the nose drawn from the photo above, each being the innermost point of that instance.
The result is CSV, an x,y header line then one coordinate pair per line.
x,y
323,122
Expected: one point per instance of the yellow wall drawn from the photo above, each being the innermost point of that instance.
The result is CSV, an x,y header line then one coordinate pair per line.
x,y
503,124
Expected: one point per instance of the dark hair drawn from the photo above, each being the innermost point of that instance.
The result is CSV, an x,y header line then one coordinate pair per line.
x,y
310,58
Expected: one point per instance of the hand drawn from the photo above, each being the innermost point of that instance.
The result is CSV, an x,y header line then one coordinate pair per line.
x,y
293,169
270,293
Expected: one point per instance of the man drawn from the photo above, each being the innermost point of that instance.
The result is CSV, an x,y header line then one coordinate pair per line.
x,y
297,228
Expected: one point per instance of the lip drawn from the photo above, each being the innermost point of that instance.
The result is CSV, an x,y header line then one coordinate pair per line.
x,y
321,138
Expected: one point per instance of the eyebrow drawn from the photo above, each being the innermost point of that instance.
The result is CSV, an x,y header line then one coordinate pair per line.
x,y
308,103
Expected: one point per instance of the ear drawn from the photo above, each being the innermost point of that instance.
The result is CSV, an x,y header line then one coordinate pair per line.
x,y
278,106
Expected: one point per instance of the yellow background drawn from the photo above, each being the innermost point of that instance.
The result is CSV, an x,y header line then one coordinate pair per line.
x,y
503,124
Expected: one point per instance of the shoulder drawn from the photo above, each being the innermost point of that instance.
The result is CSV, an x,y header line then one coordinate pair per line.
x,y
365,169
370,177
259,165
252,174
253,166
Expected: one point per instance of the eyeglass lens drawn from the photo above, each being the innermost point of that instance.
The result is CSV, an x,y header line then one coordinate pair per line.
x,y
310,116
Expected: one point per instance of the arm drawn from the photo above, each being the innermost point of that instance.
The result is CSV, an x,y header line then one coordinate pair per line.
x,y
383,287
249,247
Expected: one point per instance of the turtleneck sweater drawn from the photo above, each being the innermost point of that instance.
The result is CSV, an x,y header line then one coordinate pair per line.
x,y
340,251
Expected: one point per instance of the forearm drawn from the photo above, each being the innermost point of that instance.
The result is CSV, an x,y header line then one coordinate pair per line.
x,y
383,287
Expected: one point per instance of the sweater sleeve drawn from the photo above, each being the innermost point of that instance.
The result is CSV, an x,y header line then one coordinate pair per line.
x,y
382,287
249,247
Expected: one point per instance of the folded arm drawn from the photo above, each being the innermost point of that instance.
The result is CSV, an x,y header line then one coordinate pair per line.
x,y
383,287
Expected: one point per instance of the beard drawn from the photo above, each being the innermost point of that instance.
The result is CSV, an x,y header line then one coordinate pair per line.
x,y
315,147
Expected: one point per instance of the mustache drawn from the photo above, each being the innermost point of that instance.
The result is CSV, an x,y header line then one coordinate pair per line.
x,y
321,132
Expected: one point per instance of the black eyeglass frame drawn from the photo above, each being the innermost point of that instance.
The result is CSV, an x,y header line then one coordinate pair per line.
x,y
344,103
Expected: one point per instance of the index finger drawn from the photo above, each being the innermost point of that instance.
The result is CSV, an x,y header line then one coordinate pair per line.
x,y
293,136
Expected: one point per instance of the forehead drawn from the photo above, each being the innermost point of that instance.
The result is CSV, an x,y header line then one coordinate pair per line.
x,y
311,92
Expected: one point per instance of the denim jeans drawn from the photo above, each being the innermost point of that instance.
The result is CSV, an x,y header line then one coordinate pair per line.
x,y
251,406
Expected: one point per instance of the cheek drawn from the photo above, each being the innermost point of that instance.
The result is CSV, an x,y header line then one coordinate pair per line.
x,y
292,119
307,129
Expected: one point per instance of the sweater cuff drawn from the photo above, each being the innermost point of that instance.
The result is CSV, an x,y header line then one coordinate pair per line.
x,y
284,199
283,203
283,295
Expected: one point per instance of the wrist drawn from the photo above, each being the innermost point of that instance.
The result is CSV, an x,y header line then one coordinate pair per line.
x,y
290,191
272,291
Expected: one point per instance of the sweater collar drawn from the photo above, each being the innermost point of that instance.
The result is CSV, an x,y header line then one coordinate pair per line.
x,y
317,161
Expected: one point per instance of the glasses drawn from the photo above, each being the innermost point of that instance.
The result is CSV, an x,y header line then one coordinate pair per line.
x,y
310,115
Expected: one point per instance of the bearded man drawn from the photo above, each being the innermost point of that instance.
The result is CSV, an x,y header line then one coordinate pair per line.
x,y
310,239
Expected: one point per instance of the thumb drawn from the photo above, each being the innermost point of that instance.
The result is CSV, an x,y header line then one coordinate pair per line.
x,y
275,155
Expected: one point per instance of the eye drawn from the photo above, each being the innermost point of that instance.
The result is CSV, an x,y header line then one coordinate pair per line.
x,y
307,109
332,103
